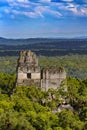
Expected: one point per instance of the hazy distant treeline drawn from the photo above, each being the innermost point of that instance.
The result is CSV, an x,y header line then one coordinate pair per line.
x,y
44,47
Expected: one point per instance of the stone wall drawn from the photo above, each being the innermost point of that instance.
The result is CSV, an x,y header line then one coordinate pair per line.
x,y
52,78
29,73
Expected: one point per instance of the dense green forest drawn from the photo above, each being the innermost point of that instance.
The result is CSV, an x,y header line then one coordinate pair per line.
x,y
75,65
28,108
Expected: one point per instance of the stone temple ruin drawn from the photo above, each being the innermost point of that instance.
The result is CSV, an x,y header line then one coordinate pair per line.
x,y
29,73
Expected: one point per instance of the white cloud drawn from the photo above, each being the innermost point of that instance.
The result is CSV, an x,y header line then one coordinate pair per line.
x,y
22,1
25,13
55,13
29,14
77,9
45,1
9,0
73,8
67,0
38,11
25,1
84,11
41,10
43,7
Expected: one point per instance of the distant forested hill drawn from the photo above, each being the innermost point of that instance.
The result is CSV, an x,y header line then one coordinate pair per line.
x,y
43,46
46,41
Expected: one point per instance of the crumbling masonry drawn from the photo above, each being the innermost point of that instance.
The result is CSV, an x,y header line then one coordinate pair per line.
x,y
29,73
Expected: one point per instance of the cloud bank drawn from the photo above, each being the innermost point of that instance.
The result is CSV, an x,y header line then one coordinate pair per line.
x,y
43,8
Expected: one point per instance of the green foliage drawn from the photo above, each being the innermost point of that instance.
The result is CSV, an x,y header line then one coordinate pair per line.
x,y
8,64
75,65
68,119
29,108
7,83
77,92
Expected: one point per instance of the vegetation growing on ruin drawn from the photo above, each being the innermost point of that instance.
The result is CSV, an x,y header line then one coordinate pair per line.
x,y
28,108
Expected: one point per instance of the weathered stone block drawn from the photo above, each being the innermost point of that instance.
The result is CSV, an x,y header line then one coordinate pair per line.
x,y
35,76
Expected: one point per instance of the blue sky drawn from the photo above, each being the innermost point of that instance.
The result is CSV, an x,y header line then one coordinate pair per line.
x,y
43,18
